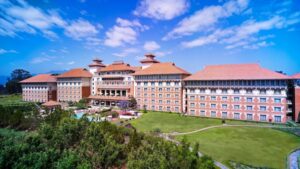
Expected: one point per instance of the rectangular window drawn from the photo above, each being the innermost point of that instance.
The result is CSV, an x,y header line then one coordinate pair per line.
x,y
212,114
202,90
160,107
263,117
192,112
224,106
202,97
213,98
249,117
224,91
249,108
236,107
262,108
249,91
192,104
202,105
213,90
278,119
224,98
202,113
213,106
277,100
262,91
236,99
236,116
277,109
224,115
236,91
263,100
192,97
152,83
249,99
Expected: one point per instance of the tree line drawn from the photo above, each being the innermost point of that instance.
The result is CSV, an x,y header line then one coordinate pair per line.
x,y
12,84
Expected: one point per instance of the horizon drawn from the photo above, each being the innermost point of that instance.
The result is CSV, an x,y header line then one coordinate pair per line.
x,y
58,36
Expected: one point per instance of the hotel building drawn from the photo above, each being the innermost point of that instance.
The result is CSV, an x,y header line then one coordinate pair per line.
x,y
73,85
158,86
112,84
296,97
234,91
237,91
40,88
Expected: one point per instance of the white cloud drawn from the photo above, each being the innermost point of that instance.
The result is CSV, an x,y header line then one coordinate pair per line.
x,y
245,35
206,18
42,59
80,29
161,9
162,54
3,51
126,52
123,32
71,63
151,45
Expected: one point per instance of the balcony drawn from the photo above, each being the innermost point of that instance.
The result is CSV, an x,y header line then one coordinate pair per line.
x,y
114,85
108,98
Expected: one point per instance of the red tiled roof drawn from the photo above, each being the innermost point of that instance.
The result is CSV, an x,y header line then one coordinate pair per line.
x,y
79,72
51,103
296,76
117,66
97,63
149,59
236,72
41,78
161,68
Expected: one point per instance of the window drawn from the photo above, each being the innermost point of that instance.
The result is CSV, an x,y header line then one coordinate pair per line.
x,y
213,105
224,115
176,102
249,91
278,119
262,91
236,99
168,95
277,109
202,90
224,91
145,83
202,113
249,117
176,109
263,117
224,106
277,100
236,91
202,97
192,97
202,105
236,107
263,100
213,98
236,116
160,95
160,83
213,90
160,89
153,107
160,101
277,91
249,107
152,83
168,108
262,108
192,90
224,98
176,83
192,112
160,107
168,102
168,83
145,89
192,104
249,99
212,114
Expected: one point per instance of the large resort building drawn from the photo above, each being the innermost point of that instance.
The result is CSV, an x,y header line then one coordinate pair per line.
x,y
233,91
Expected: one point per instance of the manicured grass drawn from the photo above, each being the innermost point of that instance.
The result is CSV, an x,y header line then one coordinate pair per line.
x,y
253,146
173,122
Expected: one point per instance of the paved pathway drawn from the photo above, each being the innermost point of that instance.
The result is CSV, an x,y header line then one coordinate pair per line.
x,y
293,159
219,126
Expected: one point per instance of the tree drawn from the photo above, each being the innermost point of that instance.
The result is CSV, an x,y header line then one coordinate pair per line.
x,y
123,105
132,103
12,84
2,89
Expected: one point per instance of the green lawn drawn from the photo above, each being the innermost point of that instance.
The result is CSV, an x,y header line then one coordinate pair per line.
x,y
173,122
253,146
248,145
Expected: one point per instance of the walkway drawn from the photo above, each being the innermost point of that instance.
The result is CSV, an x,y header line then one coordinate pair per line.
x,y
220,126
293,159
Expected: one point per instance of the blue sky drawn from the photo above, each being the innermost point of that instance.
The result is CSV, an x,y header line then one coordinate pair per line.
x,y
42,36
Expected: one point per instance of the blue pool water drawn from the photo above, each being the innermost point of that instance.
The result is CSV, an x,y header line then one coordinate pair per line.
x,y
79,115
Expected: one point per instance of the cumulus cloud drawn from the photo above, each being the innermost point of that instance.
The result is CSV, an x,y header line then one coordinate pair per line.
x,y
151,45
124,32
80,29
3,51
19,16
161,9
127,52
206,18
245,35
